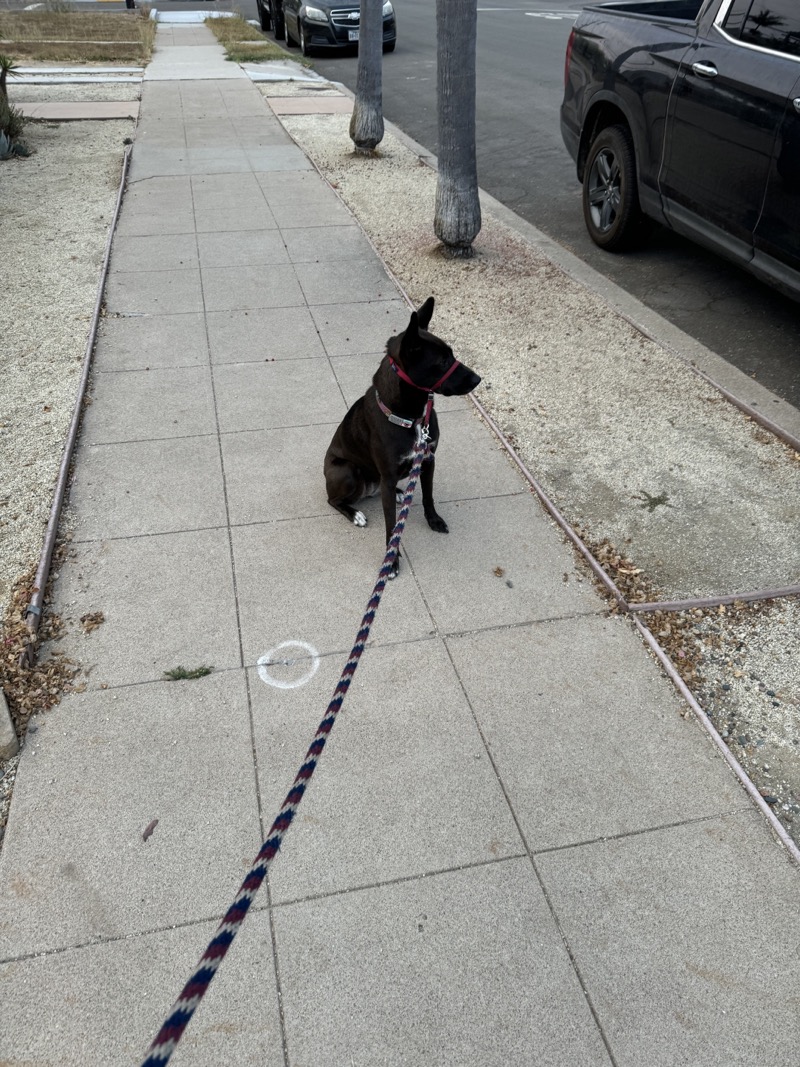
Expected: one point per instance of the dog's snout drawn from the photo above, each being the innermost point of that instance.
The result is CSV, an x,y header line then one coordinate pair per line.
x,y
462,382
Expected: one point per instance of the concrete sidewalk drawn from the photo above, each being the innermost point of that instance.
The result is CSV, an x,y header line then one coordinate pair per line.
x,y
515,851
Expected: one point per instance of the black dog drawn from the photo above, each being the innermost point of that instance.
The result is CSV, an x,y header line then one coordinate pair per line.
x,y
374,445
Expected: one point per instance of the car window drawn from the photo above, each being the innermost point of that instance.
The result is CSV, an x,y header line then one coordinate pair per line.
x,y
773,24
734,20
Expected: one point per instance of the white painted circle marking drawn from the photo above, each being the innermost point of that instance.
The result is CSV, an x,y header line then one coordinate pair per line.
x,y
271,659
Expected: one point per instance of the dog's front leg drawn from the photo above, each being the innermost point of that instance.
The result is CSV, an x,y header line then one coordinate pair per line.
x,y
435,521
389,501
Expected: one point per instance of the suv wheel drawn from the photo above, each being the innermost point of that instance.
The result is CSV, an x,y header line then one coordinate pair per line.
x,y
263,16
610,196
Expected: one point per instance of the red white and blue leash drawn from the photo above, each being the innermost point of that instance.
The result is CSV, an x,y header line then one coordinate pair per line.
x,y
166,1041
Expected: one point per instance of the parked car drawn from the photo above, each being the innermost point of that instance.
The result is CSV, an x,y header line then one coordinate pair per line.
x,y
689,114
323,24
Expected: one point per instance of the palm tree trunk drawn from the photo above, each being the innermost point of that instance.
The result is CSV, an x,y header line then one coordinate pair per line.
x,y
366,124
457,220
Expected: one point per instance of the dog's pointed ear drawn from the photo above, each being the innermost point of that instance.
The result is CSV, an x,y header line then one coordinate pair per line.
x,y
410,337
425,313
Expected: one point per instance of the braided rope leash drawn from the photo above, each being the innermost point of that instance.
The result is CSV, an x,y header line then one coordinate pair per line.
x,y
167,1038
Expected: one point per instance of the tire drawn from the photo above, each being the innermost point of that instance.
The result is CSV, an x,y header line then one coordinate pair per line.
x,y
390,46
278,23
610,195
305,48
264,17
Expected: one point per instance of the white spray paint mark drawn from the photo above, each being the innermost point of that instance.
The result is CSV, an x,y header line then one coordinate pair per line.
x,y
273,659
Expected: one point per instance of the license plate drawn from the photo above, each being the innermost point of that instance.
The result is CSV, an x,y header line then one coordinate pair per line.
x,y
352,35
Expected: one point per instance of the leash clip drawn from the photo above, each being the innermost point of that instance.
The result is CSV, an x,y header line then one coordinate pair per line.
x,y
423,434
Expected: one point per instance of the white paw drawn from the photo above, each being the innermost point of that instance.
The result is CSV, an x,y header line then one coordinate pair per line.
x,y
359,519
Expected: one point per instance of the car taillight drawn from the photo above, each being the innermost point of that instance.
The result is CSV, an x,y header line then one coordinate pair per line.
x,y
568,56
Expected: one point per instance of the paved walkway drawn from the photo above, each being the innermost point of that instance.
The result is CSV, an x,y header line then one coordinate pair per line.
x,y
516,851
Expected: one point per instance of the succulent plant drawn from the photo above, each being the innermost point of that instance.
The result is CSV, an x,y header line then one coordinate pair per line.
x,y
7,66
12,121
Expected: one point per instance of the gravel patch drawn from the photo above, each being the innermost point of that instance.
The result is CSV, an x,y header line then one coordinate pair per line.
x,y
56,208
37,94
749,660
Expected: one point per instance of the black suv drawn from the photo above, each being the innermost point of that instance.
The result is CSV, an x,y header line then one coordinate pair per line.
x,y
323,24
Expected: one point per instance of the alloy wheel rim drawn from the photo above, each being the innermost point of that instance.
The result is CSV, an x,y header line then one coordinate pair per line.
x,y
604,193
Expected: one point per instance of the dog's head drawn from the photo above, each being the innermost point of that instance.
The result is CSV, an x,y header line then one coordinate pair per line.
x,y
427,361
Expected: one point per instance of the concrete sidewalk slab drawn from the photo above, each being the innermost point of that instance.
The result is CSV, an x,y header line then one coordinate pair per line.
x,y
198,63
435,802
106,1015
155,755
149,487
250,249
508,533
675,935
144,585
289,473
155,251
155,404
350,328
154,341
154,292
290,392
284,595
320,243
256,335
587,748
465,967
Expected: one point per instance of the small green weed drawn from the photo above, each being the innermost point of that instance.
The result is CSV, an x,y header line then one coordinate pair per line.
x,y
178,674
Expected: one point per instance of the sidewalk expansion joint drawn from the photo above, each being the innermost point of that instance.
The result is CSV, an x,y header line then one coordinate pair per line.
x,y
153,533
400,880
698,820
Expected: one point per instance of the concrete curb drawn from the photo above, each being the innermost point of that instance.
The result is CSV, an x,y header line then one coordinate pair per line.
x,y
9,745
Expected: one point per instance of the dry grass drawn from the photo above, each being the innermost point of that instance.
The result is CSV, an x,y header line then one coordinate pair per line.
x,y
244,43
29,690
234,29
77,36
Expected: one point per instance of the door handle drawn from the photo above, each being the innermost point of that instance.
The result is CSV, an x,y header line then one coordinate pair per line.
x,y
705,70
796,103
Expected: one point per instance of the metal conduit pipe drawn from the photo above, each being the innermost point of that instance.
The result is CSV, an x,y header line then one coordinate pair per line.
x,y
33,612
715,601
